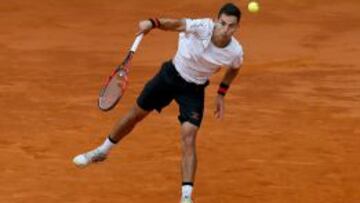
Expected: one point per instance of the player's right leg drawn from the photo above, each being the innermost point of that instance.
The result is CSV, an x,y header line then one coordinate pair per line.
x,y
122,128
125,125
155,95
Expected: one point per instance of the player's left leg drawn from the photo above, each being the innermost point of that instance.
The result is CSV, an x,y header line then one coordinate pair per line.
x,y
189,161
191,112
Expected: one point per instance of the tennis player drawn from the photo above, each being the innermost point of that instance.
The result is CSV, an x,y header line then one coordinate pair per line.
x,y
204,46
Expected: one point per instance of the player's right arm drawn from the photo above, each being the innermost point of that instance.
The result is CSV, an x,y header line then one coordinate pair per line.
x,y
178,25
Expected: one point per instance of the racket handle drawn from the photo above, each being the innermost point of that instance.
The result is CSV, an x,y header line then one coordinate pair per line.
x,y
136,42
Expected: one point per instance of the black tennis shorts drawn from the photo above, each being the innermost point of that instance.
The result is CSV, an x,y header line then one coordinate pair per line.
x,y
167,85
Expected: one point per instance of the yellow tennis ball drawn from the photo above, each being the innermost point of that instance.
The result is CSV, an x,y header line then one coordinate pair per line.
x,y
253,7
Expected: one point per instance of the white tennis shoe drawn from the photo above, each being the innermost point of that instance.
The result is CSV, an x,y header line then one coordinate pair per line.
x,y
186,200
87,158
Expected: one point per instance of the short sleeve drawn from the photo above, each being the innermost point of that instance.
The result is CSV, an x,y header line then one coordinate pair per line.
x,y
238,60
201,27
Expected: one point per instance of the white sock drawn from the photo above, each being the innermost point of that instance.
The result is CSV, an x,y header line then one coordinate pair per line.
x,y
106,146
186,190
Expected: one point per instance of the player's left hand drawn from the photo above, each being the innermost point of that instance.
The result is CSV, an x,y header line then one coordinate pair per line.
x,y
219,107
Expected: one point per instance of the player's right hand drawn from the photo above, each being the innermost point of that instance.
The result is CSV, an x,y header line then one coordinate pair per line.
x,y
144,27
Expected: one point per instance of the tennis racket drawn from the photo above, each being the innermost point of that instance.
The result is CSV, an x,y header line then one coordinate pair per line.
x,y
116,84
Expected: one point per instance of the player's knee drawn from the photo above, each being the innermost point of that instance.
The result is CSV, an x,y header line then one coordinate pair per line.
x,y
187,142
189,137
132,118
188,145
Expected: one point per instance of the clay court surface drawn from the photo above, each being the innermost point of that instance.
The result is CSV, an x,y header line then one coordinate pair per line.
x,y
291,131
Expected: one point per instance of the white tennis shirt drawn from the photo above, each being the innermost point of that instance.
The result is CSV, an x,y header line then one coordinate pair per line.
x,y
197,58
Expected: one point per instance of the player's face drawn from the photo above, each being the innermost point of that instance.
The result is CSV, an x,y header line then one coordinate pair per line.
x,y
227,25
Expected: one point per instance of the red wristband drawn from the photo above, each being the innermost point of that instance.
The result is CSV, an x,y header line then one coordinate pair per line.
x,y
223,88
155,22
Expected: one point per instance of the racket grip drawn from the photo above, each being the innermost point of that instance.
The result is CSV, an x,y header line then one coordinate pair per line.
x,y
136,42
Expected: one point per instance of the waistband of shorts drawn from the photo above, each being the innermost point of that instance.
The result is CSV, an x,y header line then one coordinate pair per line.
x,y
173,69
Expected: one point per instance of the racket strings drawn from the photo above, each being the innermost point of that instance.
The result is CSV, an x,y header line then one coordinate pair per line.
x,y
115,85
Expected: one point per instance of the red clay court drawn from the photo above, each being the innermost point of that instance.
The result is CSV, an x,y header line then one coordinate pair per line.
x,y
291,130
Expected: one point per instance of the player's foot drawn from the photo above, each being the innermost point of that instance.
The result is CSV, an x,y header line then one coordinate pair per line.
x,y
85,159
186,200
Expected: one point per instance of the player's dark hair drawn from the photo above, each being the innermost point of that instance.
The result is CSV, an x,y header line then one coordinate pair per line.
x,y
231,10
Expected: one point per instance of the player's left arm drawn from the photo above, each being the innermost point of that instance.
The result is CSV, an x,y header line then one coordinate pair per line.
x,y
228,78
230,75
